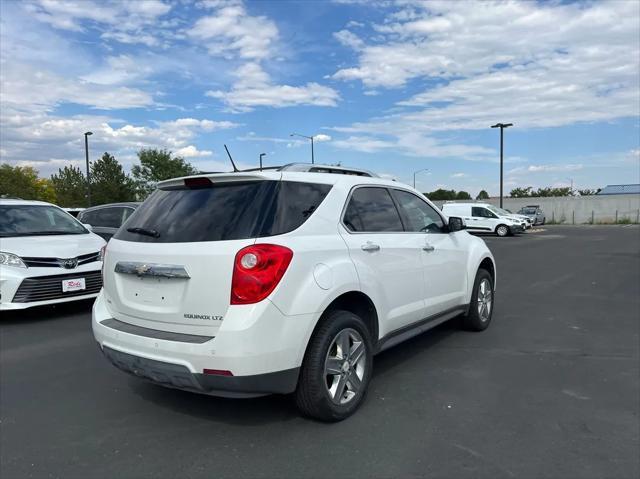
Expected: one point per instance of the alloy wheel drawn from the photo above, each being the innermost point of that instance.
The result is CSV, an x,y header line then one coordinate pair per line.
x,y
485,300
345,366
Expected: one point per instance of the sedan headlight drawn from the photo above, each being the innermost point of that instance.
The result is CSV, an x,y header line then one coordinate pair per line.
x,y
9,259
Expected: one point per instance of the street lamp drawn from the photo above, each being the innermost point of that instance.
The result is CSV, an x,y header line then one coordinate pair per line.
x,y
502,126
415,173
261,155
308,138
86,155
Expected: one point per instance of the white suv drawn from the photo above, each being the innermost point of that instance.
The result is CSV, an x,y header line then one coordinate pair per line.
x,y
282,281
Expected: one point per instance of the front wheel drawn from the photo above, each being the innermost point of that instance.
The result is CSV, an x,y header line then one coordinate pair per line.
x,y
502,231
481,307
336,369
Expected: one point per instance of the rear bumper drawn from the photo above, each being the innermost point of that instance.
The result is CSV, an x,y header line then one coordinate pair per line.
x,y
260,346
179,377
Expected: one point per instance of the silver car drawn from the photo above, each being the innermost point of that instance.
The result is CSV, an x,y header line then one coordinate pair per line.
x,y
106,219
535,213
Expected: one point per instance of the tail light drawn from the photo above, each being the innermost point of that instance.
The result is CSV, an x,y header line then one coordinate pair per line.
x,y
102,257
257,270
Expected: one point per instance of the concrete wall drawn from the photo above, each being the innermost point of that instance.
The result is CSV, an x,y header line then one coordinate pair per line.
x,y
579,209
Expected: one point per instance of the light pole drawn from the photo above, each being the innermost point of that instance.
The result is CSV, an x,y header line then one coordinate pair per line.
x,y
415,173
308,138
86,155
261,155
502,126
571,180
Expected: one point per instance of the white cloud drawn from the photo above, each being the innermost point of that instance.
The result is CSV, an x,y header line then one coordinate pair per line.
x,y
349,39
546,168
536,65
45,140
231,30
494,61
320,137
192,152
254,88
130,21
459,175
26,87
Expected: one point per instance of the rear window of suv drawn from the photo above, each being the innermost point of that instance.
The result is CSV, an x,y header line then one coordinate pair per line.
x,y
223,211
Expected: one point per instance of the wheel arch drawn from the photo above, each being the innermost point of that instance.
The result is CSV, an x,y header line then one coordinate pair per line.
x,y
355,302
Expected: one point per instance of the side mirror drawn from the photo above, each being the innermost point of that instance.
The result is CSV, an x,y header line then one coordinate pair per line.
x,y
456,224
88,226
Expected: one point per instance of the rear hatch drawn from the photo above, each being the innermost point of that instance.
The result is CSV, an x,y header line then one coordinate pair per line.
x,y
170,266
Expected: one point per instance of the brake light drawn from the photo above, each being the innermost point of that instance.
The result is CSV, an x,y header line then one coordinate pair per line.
x,y
196,183
257,270
217,372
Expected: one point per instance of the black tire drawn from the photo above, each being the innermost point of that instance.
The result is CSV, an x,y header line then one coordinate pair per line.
x,y
502,230
473,320
312,395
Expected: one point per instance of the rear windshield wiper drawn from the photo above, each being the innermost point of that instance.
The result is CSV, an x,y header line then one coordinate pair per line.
x,y
144,231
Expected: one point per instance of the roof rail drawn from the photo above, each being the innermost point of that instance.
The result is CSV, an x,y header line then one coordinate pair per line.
x,y
304,167
312,168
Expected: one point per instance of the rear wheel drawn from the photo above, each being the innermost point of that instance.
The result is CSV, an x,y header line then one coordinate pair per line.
x,y
337,368
481,307
502,230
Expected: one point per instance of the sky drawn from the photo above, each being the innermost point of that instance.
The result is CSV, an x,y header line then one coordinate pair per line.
x,y
391,86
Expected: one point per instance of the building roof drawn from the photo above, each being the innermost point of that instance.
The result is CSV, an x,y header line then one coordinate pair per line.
x,y
620,189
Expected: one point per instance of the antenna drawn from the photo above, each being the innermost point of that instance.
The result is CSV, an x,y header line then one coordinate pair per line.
x,y
232,163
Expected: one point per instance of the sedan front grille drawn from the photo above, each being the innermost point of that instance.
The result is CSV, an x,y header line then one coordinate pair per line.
x,y
45,288
35,262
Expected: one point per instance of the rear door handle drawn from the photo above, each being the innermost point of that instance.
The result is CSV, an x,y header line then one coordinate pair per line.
x,y
369,246
428,248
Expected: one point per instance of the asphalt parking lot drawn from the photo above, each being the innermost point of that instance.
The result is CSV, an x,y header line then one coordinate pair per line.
x,y
551,389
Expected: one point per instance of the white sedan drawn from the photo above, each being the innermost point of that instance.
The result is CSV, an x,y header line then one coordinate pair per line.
x,y
46,256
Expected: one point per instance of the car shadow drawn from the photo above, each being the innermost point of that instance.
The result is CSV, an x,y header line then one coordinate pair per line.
x,y
46,313
277,408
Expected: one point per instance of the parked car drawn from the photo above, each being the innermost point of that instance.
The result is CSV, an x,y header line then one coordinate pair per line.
x,y
483,217
74,211
534,212
106,219
285,281
528,222
47,256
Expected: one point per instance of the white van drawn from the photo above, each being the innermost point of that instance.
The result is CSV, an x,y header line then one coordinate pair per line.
x,y
484,217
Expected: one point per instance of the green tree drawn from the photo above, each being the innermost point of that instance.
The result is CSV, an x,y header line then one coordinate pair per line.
x,y
441,195
521,192
549,192
109,183
588,192
483,195
23,182
463,195
157,165
70,186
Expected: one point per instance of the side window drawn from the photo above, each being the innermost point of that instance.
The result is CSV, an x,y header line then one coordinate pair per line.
x,y
372,209
89,217
482,212
417,214
108,217
293,204
127,212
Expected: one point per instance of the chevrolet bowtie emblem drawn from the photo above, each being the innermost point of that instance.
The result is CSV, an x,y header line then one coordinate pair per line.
x,y
142,269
